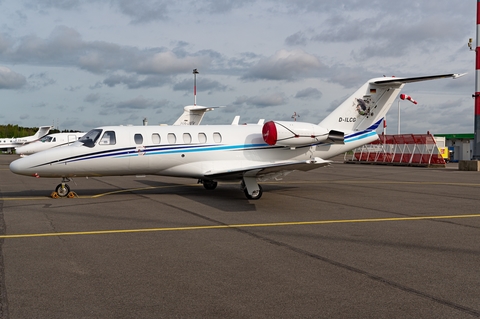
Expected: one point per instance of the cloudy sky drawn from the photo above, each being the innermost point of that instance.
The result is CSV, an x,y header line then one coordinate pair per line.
x,y
81,64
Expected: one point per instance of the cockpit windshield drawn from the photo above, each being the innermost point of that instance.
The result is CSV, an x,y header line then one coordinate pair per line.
x,y
91,137
46,139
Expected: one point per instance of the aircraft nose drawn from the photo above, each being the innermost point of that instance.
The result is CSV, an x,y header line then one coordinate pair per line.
x,y
19,166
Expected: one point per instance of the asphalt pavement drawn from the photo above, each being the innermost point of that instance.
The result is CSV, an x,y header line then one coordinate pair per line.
x,y
345,241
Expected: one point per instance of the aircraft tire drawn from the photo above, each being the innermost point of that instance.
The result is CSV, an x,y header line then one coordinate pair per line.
x,y
62,190
210,185
255,197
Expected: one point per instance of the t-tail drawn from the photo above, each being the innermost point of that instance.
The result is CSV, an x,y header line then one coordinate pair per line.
x,y
42,131
350,125
365,109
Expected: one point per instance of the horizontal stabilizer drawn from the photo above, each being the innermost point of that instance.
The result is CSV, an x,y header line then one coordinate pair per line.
x,y
417,79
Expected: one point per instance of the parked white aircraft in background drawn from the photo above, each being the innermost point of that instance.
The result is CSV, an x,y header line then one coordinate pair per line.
x,y
10,143
49,141
211,153
193,114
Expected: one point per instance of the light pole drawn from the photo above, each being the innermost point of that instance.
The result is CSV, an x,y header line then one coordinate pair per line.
x,y
398,130
195,72
403,97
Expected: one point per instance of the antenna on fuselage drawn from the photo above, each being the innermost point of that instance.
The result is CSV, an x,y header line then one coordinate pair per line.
x,y
195,72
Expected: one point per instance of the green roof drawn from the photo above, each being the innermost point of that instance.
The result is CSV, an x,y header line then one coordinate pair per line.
x,y
462,136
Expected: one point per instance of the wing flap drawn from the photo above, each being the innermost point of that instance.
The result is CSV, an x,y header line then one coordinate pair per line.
x,y
261,170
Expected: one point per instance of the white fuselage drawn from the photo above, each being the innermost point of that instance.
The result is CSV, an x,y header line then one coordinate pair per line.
x,y
185,151
49,141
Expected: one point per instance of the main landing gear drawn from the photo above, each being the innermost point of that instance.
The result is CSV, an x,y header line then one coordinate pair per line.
x,y
249,186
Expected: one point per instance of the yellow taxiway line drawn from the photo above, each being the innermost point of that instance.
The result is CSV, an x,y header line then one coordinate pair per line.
x,y
206,227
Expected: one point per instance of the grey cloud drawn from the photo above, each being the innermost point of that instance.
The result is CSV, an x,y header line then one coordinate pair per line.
x,y
444,117
65,47
58,4
202,85
298,38
39,80
216,7
10,79
309,93
138,103
348,77
135,82
285,66
144,11
262,100
92,98
139,11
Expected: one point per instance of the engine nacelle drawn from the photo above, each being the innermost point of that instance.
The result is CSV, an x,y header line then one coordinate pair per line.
x,y
297,134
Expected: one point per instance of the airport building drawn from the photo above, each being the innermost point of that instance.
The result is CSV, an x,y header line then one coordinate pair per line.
x,y
460,146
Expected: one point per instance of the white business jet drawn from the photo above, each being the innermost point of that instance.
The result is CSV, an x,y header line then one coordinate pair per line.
x,y
49,141
211,153
192,115
11,143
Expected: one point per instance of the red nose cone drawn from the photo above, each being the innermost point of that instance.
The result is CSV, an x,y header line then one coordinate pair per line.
x,y
269,133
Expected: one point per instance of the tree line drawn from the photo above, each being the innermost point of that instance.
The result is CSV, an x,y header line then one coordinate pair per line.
x,y
9,130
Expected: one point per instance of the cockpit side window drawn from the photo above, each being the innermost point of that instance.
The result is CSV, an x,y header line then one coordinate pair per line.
x,y
46,139
108,138
91,137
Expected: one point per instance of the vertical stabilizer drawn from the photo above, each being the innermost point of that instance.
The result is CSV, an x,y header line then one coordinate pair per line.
x,y
364,109
192,115
42,131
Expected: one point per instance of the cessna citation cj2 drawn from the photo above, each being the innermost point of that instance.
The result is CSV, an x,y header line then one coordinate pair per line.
x,y
212,153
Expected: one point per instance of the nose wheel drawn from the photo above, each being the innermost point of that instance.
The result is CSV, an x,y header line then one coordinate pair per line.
x,y
62,190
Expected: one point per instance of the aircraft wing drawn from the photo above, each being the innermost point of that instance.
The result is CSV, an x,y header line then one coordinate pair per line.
x,y
263,171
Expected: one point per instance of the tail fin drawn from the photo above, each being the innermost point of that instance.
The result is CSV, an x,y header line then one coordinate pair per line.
x,y
365,109
193,114
42,131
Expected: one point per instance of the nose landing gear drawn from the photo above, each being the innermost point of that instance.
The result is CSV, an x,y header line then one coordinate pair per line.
x,y
63,190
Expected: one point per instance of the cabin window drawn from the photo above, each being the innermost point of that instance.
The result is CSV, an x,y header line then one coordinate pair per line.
x,y
172,139
54,139
138,138
108,138
156,138
187,138
217,138
202,138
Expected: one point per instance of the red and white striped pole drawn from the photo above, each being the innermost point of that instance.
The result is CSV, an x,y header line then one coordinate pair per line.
x,y
476,146
195,72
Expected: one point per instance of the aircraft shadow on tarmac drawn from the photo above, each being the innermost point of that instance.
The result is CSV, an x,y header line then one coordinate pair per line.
x,y
227,197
